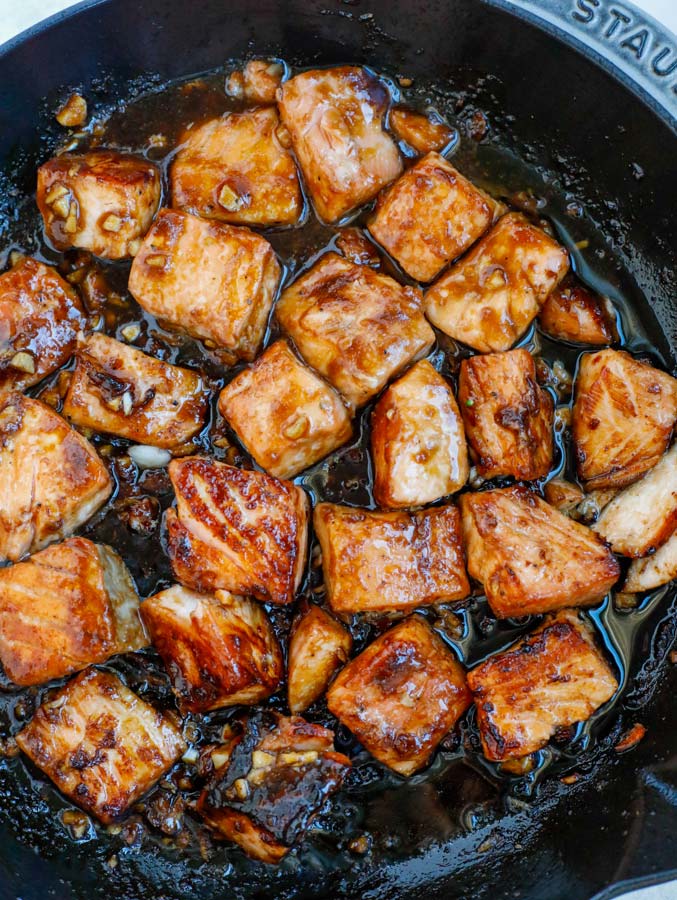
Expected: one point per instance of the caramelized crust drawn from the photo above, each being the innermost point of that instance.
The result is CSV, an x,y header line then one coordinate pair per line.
x,y
401,695
653,571
423,133
318,647
357,247
573,313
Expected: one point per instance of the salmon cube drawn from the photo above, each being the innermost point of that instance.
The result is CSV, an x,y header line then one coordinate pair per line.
x,y
401,695
101,201
120,390
207,279
653,571
235,530
335,119
390,561
529,556
354,326
318,647
431,215
551,679
235,169
220,650
65,608
489,298
257,82
40,318
51,478
423,133
508,418
563,495
100,744
573,313
284,414
417,440
623,416
356,246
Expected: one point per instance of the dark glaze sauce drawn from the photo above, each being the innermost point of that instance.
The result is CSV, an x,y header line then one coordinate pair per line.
x,y
460,793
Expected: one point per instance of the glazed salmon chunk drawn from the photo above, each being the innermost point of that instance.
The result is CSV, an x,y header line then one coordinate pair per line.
x,y
655,570
335,119
40,319
401,695
508,417
51,478
257,82
623,416
390,561
277,775
354,326
573,313
235,169
207,279
101,201
489,298
120,390
285,415
430,216
318,647
417,440
423,133
236,530
531,558
551,679
65,608
219,650
101,744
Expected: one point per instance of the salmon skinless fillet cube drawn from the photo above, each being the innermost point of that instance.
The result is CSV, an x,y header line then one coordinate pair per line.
x,y
318,647
573,313
422,133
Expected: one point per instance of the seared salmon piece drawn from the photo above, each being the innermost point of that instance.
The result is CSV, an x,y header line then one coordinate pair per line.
x,y
653,571
235,169
431,215
65,608
236,530
641,518
489,298
220,650
529,556
101,201
356,246
508,417
318,647
207,279
354,326
390,561
257,82
100,744
40,318
423,133
417,440
401,695
623,416
120,390
554,677
278,774
285,415
51,478
563,495
574,313
335,119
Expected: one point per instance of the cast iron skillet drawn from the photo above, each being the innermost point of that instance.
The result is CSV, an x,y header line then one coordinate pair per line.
x,y
586,92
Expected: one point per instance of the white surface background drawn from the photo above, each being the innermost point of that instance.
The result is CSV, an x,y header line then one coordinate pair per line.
x,y
16,15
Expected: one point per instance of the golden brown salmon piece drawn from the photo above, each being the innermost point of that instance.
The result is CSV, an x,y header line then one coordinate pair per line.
x,y
357,247
235,169
401,695
508,417
318,647
431,215
551,679
286,416
573,313
335,118
120,390
390,561
257,82
220,650
51,478
529,556
67,607
623,416
489,298
354,326
40,318
417,440
563,495
207,279
653,571
423,133
100,744
236,530
279,773
101,201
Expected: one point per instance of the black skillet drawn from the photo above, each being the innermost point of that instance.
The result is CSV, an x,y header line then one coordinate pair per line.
x,y
584,91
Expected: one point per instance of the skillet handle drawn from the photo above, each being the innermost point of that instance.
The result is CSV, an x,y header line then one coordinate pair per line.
x,y
642,52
